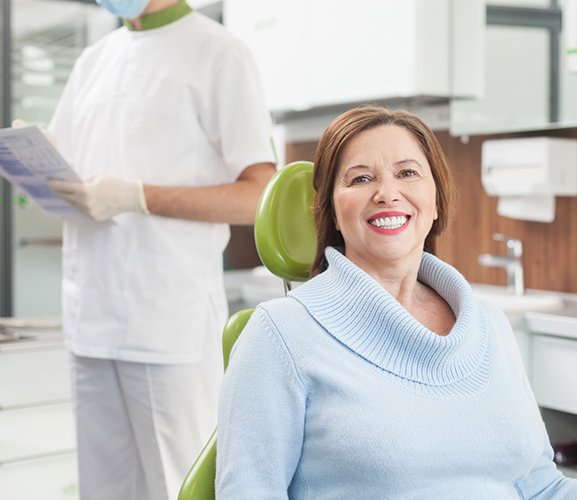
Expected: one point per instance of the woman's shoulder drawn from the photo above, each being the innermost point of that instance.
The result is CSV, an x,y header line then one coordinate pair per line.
x,y
281,311
285,322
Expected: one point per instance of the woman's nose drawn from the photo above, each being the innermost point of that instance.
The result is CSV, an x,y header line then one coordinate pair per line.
x,y
386,191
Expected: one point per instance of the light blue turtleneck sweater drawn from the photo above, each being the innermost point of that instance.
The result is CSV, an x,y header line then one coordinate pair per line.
x,y
337,392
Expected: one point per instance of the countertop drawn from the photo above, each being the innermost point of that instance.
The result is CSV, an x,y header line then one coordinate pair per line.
x,y
32,339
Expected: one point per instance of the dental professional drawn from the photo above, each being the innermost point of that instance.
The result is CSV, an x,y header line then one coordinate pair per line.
x,y
383,376
165,120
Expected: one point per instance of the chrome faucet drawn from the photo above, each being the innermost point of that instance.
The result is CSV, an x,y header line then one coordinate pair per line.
x,y
512,262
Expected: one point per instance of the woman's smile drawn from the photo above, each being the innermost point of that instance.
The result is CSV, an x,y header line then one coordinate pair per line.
x,y
389,222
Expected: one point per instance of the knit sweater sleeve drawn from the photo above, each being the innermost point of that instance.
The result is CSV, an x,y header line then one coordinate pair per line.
x,y
545,482
261,416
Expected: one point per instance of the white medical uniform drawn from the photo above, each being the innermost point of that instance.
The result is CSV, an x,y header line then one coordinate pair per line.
x,y
177,105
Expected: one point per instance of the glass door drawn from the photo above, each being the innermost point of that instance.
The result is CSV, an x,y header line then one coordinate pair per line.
x,y
47,37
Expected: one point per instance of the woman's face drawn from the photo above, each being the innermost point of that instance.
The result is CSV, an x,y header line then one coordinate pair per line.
x,y
384,197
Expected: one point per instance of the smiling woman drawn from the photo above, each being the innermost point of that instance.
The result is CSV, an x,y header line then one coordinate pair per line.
x,y
425,162
384,197
377,377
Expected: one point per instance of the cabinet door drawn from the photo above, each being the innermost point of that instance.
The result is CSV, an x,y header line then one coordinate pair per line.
x,y
47,478
30,433
47,37
34,376
315,53
277,33
554,372
375,50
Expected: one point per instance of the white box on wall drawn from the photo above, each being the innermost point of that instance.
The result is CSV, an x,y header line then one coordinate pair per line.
x,y
527,173
529,166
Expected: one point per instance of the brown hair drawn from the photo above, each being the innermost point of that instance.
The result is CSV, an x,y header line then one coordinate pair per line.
x,y
326,166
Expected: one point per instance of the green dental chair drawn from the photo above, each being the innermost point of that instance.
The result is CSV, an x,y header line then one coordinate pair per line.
x,y
286,243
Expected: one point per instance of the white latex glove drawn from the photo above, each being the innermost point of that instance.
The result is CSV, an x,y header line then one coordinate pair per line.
x,y
103,197
18,123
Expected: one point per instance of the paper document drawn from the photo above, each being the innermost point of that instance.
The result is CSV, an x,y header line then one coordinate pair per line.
x,y
28,160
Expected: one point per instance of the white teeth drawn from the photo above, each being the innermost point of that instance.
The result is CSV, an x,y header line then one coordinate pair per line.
x,y
390,222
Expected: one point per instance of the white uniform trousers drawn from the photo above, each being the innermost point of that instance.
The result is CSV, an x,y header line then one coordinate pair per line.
x,y
140,426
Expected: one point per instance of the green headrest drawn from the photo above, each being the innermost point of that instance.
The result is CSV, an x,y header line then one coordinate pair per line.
x,y
284,231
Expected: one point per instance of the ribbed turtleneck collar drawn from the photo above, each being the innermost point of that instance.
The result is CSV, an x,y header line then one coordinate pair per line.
x,y
363,316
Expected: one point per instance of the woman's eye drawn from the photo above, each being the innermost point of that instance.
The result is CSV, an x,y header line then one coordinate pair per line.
x,y
360,179
409,172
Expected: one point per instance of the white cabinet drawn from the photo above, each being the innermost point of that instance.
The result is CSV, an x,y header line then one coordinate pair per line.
x,y
46,478
37,430
554,357
554,372
276,31
315,53
34,375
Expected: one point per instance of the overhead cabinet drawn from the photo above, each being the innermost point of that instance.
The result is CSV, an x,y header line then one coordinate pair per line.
x,y
315,53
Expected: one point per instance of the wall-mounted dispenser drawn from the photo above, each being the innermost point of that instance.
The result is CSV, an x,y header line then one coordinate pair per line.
x,y
527,173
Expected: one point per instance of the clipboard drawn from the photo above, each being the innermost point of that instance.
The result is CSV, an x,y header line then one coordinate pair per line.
x,y
28,160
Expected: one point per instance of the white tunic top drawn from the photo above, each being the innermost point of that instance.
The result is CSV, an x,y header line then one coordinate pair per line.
x,y
176,105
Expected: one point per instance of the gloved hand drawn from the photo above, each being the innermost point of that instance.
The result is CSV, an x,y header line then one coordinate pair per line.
x,y
19,123
103,197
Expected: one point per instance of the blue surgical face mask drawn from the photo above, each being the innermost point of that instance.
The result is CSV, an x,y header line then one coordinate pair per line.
x,y
125,9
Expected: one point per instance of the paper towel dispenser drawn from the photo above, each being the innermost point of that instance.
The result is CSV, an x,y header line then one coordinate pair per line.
x,y
527,173
529,166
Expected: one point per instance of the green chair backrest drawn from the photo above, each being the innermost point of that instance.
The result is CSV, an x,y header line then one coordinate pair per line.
x,y
286,243
284,231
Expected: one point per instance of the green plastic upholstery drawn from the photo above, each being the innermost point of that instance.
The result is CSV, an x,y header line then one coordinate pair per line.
x,y
232,330
284,231
199,482
286,243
